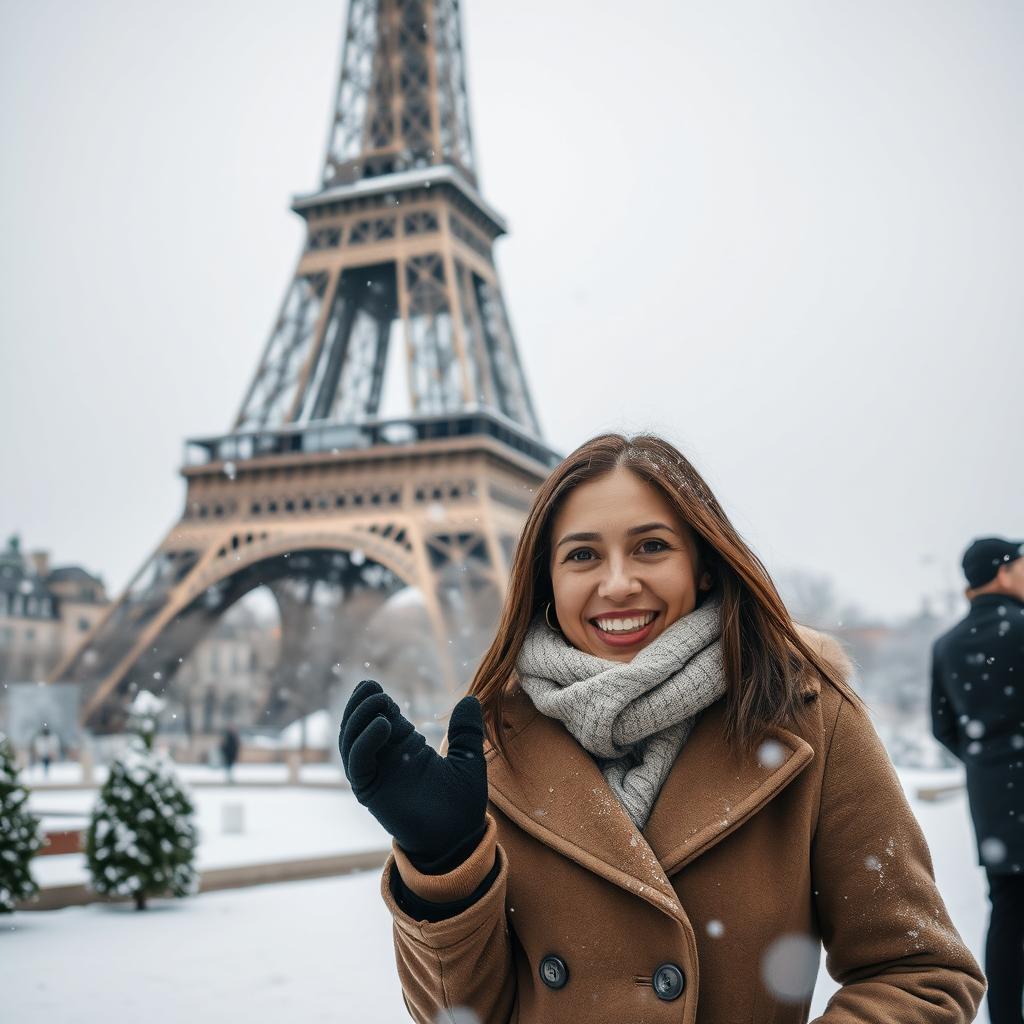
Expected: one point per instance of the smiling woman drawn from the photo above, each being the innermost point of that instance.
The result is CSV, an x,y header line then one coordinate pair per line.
x,y
618,585
658,788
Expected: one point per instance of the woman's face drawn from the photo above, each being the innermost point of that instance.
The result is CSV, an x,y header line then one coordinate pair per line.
x,y
623,566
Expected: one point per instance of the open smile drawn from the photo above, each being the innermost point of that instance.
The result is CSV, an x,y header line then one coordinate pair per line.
x,y
623,630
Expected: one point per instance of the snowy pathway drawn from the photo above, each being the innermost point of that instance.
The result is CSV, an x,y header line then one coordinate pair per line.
x,y
302,951
280,824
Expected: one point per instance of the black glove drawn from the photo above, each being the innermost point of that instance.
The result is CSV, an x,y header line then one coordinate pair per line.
x,y
433,806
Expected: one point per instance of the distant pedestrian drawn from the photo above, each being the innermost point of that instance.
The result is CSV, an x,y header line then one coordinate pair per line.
x,y
45,748
229,745
978,713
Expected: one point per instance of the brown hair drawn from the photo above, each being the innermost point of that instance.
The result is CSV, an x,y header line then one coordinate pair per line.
x,y
764,654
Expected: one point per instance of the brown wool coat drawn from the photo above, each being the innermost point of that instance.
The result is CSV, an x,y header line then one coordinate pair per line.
x,y
820,842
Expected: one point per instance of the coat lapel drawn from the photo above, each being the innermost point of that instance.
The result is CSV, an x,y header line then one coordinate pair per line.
x,y
711,791
557,794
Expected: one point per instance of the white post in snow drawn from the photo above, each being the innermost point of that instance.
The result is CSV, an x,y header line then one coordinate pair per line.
x,y
86,763
232,819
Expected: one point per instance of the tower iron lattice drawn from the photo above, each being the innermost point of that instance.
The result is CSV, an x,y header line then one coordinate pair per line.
x,y
387,440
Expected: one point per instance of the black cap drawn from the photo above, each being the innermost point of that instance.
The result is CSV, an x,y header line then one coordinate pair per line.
x,y
984,557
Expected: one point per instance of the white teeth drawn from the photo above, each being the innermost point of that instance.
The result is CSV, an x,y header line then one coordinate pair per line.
x,y
630,625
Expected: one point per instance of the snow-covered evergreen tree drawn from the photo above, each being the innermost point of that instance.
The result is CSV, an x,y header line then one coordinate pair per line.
x,y
142,839
20,836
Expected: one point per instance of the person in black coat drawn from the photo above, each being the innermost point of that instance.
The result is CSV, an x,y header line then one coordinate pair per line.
x,y
977,706
229,745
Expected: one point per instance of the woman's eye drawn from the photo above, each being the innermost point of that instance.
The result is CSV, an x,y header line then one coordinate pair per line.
x,y
571,557
661,546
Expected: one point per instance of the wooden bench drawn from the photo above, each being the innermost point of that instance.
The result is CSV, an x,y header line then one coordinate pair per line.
x,y
63,840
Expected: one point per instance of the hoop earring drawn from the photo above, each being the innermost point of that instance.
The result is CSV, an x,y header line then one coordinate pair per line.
x,y
547,608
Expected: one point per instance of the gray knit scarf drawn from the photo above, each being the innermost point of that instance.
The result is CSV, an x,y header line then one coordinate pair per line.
x,y
634,716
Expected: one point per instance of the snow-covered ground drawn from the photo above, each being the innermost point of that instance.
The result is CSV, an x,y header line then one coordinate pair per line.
x,y
300,951
309,951
280,824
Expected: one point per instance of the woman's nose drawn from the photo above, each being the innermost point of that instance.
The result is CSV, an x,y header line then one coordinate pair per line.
x,y
618,581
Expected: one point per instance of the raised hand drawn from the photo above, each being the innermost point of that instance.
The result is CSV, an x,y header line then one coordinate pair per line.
x,y
433,806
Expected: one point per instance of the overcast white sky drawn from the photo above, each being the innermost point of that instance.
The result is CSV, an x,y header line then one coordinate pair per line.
x,y
787,235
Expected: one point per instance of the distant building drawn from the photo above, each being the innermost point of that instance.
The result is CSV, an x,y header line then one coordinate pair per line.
x,y
226,680
44,612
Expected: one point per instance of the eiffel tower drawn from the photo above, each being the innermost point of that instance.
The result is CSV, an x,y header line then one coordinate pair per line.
x,y
387,443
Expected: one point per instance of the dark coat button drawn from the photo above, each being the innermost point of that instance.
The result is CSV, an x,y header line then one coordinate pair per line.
x,y
553,972
669,982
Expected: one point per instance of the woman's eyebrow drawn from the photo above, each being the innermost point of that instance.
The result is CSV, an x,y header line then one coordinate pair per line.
x,y
643,528
647,527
